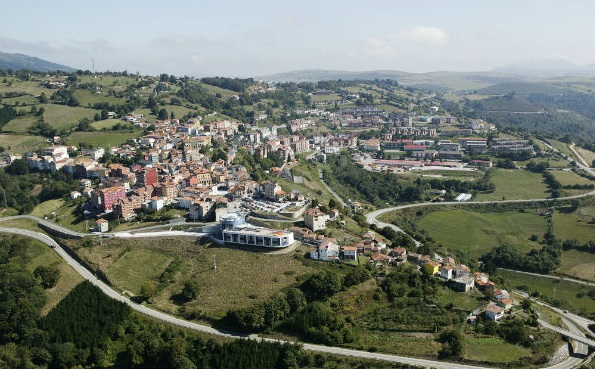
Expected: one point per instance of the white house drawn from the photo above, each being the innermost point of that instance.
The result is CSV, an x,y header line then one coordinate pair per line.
x,y
157,203
328,250
102,225
446,271
501,294
494,312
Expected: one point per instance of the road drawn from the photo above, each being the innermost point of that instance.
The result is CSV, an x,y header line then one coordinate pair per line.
x,y
343,203
552,277
372,216
578,337
567,364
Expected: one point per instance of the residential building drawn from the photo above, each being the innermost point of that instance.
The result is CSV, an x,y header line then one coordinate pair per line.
x,y
494,312
315,219
328,250
110,196
102,225
462,284
431,267
446,271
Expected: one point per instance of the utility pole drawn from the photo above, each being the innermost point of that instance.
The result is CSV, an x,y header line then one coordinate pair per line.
x,y
215,262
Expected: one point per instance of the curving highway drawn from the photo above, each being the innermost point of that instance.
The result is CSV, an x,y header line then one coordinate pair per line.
x,y
569,363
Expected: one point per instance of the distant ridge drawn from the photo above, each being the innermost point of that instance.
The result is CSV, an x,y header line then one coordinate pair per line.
x,y
439,81
20,61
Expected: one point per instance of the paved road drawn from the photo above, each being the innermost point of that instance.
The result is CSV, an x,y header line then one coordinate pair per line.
x,y
583,322
579,337
552,277
567,364
372,216
343,203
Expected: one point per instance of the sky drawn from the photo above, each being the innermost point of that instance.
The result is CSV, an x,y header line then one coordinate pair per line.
x,y
251,38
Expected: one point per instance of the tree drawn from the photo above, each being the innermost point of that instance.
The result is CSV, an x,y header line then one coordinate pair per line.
x,y
332,204
18,167
162,114
190,290
452,344
48,275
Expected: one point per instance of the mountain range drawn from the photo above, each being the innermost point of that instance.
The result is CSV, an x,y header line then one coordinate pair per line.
x,y
533,71
20,61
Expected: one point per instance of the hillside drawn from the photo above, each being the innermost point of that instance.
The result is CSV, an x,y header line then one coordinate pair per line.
x,y
521,88
20,61
439,81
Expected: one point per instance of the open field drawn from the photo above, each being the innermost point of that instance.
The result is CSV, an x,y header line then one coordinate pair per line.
x,y
101,139
589,156
474,234
88,98
32,87
493,350
573,226
65,117
561,146
516,184
179,111
47,207
19,144
242,277
109,124
577,264
69,278
569,178
19,124
566,293
19,101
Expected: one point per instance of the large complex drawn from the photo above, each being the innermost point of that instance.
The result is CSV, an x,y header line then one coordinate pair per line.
x,y
236,231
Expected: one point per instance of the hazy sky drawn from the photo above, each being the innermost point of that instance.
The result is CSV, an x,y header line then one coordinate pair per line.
x,y
251,38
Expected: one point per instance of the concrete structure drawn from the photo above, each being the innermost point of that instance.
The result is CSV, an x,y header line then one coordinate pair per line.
x,y
235,230
315,219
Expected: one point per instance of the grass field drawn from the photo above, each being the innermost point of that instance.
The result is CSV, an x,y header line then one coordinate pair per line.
x,y
47,207
573,226
69,278
492,349
19,144
20,100
564,291
109,124
242,278
88,98
32,87
516,184
19,125
474,234
589,156
569,178
577,264
561,146
101,139
65,117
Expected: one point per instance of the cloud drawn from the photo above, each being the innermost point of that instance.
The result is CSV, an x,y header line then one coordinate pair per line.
x,y
181,41
422,35
377,47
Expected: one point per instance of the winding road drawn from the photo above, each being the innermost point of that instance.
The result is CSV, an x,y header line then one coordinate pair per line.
x,y
569,363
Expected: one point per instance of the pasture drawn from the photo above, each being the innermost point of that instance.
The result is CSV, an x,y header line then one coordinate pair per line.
x,y
512,184
473,234
101,138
